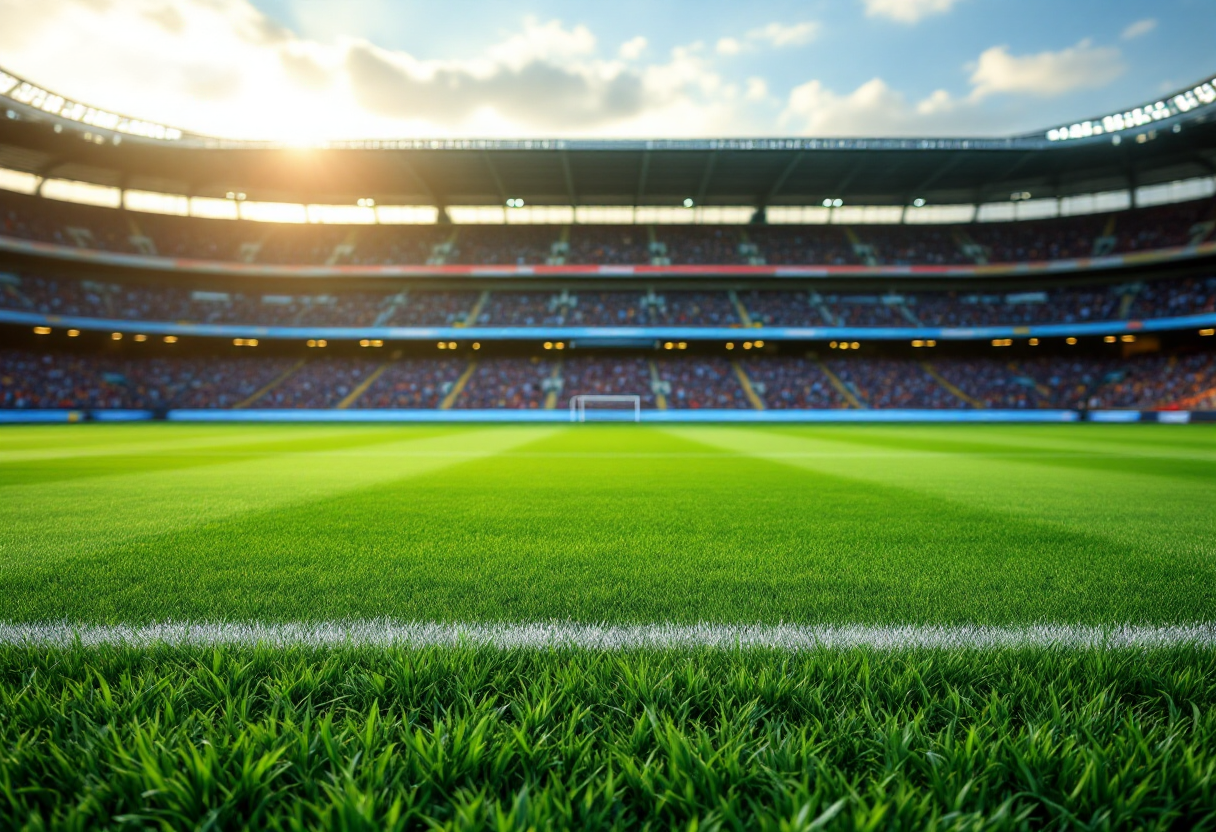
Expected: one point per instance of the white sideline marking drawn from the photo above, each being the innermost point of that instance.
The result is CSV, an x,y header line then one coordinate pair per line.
x,y
789,637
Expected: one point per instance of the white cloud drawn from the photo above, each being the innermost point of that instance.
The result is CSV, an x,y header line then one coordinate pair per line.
x,y
757,89
780,35
874,108
223,67
774,35
1139,28
729,46
1045,74
907,11
633,48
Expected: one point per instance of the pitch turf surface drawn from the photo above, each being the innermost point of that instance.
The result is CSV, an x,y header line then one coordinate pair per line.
x,y
610,524
619,525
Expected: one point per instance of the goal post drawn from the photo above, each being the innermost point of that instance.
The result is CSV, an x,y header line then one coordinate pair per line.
x,y
615,408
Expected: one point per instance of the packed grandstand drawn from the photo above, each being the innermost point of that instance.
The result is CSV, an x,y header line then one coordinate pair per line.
x,y
1072,294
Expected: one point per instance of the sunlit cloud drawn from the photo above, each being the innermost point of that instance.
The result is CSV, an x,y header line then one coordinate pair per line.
x,y
907,11
774,36
1046,74
875,108
224,67
1140,28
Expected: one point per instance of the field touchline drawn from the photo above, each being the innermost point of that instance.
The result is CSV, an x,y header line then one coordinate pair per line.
x,y
551,635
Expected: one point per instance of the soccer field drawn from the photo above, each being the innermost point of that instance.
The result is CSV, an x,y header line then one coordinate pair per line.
x,y
305,626
620,524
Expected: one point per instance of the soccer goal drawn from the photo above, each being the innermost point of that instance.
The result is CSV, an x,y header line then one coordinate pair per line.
x,y
606,408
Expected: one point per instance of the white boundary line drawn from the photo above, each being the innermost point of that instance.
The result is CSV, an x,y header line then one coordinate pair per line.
x,y
549,635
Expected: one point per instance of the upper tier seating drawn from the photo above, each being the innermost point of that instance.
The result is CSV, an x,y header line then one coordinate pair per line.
x,y
112,230
300,304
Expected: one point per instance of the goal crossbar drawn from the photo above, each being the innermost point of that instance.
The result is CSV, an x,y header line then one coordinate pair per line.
x,y
578,405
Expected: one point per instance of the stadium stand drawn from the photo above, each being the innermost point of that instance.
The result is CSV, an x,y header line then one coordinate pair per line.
x,y
952,242
298,304
33,380
129,232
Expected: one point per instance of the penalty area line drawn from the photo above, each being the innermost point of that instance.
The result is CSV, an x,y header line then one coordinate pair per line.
x,y
568,635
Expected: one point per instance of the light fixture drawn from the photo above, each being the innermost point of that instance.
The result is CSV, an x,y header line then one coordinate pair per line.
x,y
688,203
1034,342
548,345
827,203
366,203
170,339
759,345
668,346
730,345
476,345
1110,339
1207,332
42,330
1002,342
836,203
918,343
115,336
515,203
141,338
1070,341
73,333
855,345
918,203
1128,339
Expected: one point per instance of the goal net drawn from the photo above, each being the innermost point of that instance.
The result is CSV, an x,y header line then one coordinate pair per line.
x,y
588,408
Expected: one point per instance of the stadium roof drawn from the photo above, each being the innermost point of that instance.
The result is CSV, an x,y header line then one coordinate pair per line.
x,y
1163,141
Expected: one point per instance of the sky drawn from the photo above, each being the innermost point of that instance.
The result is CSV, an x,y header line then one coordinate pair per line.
x,y
314,70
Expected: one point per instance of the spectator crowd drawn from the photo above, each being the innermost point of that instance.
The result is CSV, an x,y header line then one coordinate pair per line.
x,y
40,380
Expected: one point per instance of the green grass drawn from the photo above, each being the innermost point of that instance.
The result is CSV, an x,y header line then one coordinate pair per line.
x,y
620,524
1000,525
457,739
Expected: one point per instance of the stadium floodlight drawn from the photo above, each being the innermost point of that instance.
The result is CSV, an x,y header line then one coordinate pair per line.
x,y
612,410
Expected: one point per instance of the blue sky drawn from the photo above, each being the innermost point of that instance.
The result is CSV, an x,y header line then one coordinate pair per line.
x,y
316,69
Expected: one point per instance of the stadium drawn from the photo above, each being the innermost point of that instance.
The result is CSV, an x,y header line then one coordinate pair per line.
x,y
740,483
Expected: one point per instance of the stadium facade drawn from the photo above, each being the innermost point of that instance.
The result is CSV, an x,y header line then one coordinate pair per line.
x,y
1065,274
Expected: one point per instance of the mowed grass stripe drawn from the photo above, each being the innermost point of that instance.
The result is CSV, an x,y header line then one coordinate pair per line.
x,y
104,441
317,446
1167,441
636,539
1167,514
50,522
1100,457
